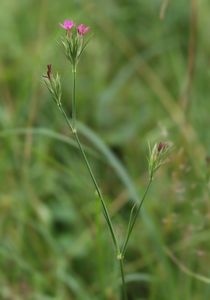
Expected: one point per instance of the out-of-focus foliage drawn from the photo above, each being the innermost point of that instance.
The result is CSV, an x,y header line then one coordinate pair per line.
x,y
141,79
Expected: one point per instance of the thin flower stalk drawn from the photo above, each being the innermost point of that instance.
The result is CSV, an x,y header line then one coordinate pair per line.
x,y
133,217
74,115
105,210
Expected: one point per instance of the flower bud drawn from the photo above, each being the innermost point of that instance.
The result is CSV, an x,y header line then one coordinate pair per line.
x,y
162,146
157,157
53,84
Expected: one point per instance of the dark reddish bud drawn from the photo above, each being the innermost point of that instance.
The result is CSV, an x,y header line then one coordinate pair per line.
x,y
162,146
49,72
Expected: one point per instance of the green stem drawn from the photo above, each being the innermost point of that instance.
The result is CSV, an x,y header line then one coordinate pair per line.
x,y
105,210
133,217
124,293
74,131
74,98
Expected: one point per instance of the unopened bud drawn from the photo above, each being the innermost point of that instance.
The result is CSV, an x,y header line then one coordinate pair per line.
x,y
49,72
53,84
162,146
157,157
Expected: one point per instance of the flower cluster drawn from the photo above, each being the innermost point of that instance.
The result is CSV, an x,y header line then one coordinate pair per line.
x,y
81,29
157,157
73,42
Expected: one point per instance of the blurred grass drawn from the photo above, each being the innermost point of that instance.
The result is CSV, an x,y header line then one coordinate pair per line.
x,y
134,80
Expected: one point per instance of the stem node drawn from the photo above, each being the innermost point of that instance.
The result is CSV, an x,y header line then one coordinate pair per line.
x,y
120,256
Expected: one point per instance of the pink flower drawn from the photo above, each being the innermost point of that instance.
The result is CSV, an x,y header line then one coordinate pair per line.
x,y
82,29
67,24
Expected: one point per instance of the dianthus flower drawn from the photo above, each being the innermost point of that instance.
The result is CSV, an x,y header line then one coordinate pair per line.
x,y
82,29
67,24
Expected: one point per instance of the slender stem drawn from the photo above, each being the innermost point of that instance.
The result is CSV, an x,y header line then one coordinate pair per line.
x,y
134,218
74,115
105,210
128,229
124,293
74,131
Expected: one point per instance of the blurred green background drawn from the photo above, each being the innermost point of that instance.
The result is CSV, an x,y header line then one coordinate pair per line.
x,y
143,77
